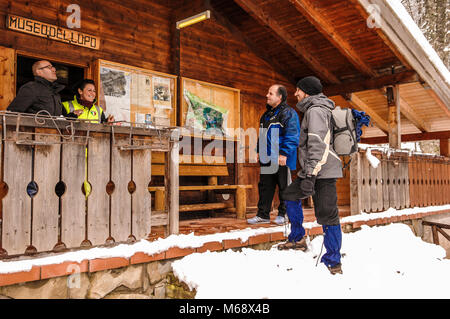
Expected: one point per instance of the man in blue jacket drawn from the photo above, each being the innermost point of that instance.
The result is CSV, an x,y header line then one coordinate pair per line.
x,y
277,153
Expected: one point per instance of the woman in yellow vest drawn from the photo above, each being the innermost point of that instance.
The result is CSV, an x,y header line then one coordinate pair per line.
x,y
83,107
83,104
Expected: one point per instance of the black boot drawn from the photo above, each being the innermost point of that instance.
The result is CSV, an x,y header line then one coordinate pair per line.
x,y
337,269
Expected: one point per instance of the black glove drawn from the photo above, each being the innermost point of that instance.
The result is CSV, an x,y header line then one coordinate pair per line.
x,y
307,186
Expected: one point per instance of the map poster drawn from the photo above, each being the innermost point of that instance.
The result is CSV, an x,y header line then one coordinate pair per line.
x,y
204,116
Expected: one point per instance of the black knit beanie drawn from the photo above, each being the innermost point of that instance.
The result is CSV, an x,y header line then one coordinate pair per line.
x,y
310,85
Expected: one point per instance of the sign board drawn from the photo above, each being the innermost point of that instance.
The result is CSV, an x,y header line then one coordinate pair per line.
x,y
52,32
136,95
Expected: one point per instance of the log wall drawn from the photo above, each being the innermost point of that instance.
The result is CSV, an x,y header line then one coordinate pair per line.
x,y
145,44
209,51
214,52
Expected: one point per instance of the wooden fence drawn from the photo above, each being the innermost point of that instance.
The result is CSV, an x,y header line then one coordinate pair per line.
x,y
401,180
67,184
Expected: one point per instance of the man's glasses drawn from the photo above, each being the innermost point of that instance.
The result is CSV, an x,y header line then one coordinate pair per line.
x,y
50,67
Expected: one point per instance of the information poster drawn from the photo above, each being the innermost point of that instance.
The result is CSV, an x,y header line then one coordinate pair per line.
x,y
161,101
135,95
116,89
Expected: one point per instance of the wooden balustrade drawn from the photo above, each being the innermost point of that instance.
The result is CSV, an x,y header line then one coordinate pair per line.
x,y
437,228
66,184
401,180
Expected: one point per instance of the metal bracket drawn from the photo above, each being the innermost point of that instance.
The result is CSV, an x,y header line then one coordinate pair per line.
x,y
147,144
64,139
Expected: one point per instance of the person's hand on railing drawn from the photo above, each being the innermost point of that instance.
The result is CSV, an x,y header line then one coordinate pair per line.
x,y
110,119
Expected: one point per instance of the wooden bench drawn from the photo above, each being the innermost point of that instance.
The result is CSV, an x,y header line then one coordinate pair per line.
x,y
210,166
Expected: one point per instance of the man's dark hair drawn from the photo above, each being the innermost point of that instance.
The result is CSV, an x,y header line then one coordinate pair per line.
x,y
283,92
81,85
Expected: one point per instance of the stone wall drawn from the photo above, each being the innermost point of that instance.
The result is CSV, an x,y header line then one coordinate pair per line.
x,y
144,281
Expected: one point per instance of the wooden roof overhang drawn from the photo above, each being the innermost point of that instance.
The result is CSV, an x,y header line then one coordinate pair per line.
x,y
334,40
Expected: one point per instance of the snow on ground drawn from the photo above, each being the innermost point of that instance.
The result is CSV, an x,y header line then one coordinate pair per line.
x,y
379,262
184,241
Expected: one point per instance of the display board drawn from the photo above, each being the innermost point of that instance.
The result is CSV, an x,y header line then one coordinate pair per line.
x,y
136,95
210,109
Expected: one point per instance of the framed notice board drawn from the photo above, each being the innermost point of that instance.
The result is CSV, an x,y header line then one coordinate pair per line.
x,y
135,94
210,109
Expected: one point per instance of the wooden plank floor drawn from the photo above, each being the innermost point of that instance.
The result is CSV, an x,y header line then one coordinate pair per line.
x,y
227,222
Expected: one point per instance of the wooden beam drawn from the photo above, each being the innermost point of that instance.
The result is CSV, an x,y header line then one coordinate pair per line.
x,y
357,103
411,114
380,33
439,102
409,137
399,34
308,9
371,84
393,103
237,33
253,9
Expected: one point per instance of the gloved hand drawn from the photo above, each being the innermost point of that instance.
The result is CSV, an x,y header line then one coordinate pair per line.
x,y
307,186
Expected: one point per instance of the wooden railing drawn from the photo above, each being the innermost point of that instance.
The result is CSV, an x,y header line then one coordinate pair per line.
x,y
437,228
401,180
66,184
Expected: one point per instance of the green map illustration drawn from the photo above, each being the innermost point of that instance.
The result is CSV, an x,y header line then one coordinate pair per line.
x,y
205,116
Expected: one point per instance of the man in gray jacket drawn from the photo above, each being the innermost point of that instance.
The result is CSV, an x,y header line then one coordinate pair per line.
x,y
319,169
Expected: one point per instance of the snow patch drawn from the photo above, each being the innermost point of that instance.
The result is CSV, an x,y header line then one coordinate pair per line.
x,y
378,262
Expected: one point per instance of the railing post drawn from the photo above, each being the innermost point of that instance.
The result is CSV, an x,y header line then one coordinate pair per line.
x,y
355,183
241,201
435,234
172,182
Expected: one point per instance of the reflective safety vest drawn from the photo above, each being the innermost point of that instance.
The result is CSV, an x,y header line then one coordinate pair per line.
x,y
94,113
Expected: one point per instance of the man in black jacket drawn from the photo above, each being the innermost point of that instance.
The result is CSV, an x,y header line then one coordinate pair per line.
x,y
40,94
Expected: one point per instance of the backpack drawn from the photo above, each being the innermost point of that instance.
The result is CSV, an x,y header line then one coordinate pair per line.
x,y
347,131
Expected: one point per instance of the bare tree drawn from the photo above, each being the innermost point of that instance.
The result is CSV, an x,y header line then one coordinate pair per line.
x,y
432,17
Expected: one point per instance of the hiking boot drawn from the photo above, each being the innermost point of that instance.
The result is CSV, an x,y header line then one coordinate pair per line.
x,y
279,220
296,245
258,220
337,269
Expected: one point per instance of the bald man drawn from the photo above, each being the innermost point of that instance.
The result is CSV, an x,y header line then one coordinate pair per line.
x,y
40,94
277,153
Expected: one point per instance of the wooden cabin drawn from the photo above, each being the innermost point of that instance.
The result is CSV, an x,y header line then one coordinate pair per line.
x,y
363,51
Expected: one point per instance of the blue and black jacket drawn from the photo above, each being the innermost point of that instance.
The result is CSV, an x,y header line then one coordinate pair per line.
x,y
285,119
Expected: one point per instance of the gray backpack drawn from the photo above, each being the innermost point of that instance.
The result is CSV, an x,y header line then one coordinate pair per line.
x,y
344,131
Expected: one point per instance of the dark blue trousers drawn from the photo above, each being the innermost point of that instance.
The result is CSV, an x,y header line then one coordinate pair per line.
x,y
294,211
332,240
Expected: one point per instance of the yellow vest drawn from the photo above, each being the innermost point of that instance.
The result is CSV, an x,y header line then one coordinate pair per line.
x,y
94,113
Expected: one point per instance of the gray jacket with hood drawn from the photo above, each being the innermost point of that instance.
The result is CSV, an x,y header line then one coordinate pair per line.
x,y
315,152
